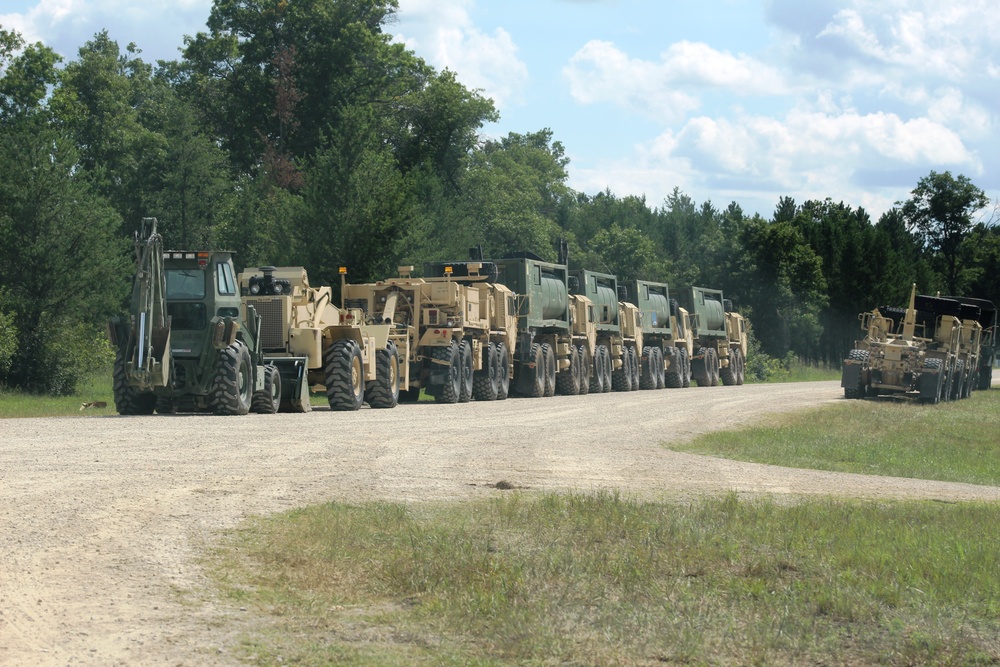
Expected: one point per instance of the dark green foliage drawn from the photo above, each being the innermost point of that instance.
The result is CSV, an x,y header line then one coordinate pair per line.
x,y
63,267
940,213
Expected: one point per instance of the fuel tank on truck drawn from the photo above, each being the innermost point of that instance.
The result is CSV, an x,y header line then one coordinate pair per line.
x,y
707,311
653,300
602,289
541,288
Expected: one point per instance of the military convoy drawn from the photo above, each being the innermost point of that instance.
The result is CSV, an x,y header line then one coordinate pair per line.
x,y
931,351
200,338
518,325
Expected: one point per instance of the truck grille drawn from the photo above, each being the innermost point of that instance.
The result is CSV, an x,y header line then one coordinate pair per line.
x,y
272,324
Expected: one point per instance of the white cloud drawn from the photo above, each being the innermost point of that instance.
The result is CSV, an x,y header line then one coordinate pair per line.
x,y
806,154
156,26
862,100
665,90
952,40
444,34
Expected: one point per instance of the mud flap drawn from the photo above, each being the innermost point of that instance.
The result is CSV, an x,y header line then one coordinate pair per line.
x,y
851,378
930,386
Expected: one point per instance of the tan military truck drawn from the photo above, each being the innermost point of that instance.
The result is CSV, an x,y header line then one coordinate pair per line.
x,y
667,337
616,354
907,353
455,328
720,337
317,346
575,374
969,349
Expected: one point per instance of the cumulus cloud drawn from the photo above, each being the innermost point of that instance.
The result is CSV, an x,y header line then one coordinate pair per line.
x,y
667,89
865,98
65,25
445,35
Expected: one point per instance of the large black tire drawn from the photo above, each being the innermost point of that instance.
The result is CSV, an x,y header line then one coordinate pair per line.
x,y
129,401
647,377
597,373
728,373
232,382
741,366
485,382
621,379
384,391
985,376
861,389
549,377
568,381
673,377
633,365
535,371
466,367
452,388
268,399
607,366
686,366
345,376
659,374
503,371
586,369
709,375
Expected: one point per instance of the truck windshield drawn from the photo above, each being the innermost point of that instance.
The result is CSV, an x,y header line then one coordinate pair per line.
x,y
185,284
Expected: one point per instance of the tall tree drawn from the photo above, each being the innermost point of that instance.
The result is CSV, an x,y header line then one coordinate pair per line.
x,y
26,72
783,286
100,100
513,192
68,270
940,211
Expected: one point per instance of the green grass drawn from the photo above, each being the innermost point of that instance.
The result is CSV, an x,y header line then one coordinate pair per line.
x,y
601,579
955,442
15,403
807,373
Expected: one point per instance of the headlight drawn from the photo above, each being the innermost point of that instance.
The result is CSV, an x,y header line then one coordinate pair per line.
x,y
254,287
278,287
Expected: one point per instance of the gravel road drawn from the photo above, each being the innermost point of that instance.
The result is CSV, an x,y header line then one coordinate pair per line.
x,y
102,519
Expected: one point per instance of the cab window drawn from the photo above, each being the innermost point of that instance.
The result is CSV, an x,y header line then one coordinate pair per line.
x,y
224,275
185,283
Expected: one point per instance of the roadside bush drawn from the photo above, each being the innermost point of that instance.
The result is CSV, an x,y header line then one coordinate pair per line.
x,y
762,367
55,358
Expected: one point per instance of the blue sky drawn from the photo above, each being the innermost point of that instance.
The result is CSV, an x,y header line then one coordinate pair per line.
x,y
729,100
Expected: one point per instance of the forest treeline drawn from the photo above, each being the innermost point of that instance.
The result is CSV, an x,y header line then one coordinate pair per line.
x,y
299,133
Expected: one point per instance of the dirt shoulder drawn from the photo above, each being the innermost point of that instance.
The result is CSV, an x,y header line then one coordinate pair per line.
x,y
102,519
